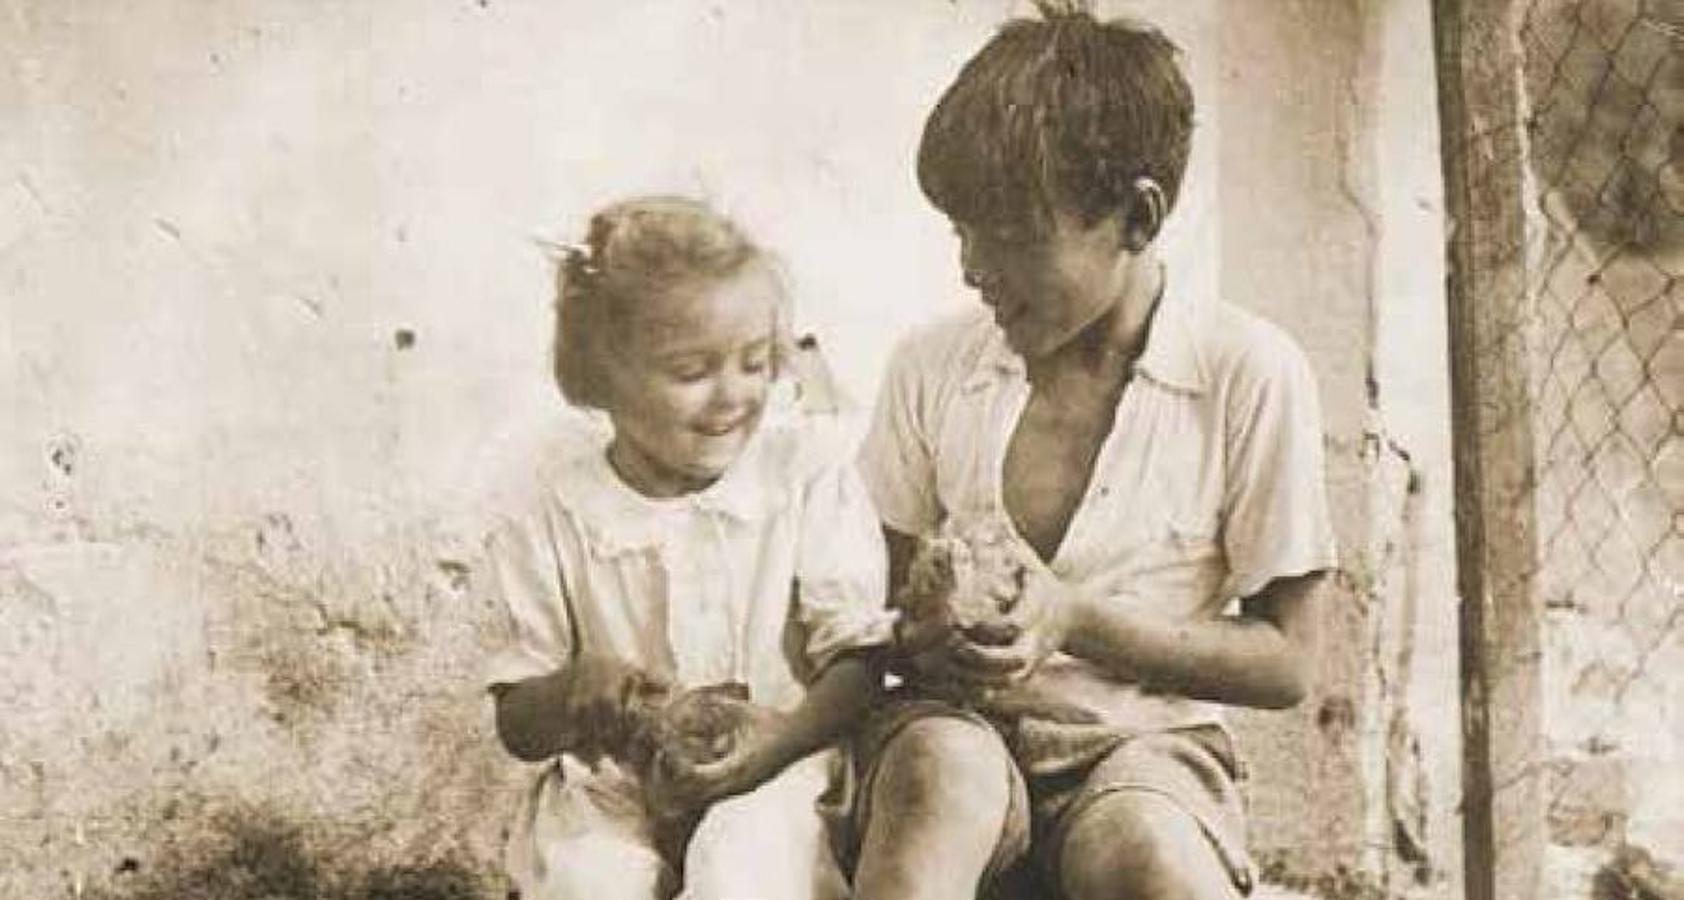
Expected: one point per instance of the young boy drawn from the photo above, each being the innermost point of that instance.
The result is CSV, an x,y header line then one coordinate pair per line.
x,y
1158,456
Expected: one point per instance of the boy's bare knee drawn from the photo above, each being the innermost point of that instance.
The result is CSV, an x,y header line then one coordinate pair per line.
x,y
940,803
1141,846
948,763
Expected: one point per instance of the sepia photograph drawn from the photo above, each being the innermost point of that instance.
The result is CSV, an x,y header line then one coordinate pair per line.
x,y
874,449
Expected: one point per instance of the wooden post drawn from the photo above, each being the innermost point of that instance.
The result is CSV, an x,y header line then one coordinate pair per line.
x,y
1479,77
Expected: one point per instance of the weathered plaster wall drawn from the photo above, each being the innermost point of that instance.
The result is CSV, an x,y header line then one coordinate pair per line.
x,y
1414,746
1330,190
1293,242
270,296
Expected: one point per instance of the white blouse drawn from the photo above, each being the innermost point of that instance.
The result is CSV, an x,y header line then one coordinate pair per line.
x,y
763,577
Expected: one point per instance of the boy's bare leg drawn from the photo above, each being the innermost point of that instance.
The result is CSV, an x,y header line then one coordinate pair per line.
x,y
938,808
1138,845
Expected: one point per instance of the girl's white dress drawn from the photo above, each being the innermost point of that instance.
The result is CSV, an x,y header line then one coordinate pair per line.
x,y
762,578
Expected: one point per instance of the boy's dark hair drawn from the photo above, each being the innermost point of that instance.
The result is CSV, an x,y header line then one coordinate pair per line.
x,y
634,250
1063,110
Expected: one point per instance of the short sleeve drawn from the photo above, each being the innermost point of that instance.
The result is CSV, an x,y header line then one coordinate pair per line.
x,y
1277,523
841,572
526,579
895,458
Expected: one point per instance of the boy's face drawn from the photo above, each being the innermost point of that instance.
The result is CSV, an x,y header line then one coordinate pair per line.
x,y
1045,284
688,382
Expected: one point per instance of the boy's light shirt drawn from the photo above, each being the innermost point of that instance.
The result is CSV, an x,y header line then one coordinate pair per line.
x,y
700,587
1209,485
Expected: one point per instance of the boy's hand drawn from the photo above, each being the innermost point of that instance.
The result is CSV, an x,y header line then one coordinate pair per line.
x,y
962,586
1040,625
925,631
925,645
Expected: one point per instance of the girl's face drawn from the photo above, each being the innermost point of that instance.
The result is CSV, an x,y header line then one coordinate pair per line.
x,y
688,379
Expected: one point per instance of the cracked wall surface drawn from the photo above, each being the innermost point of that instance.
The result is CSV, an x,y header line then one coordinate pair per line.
x,y
272,304
1345,218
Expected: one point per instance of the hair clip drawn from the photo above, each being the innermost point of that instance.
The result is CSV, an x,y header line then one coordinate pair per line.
x,y
576,259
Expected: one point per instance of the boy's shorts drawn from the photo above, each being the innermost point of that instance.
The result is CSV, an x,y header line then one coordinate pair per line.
x,y
1196,768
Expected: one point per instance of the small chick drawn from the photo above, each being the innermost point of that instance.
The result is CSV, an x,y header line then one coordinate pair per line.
x,y
970,577
694,727
702,725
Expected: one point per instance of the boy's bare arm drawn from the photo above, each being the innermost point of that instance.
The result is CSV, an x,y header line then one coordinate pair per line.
x,y
1261,657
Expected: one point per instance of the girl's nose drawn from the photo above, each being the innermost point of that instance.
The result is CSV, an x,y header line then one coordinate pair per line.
x,y
736,389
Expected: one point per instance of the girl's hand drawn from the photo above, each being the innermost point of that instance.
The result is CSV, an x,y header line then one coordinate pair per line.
x,y
683,781
750,763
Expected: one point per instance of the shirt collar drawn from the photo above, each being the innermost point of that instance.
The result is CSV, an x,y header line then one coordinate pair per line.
x,y
746,493
995,362
1172,357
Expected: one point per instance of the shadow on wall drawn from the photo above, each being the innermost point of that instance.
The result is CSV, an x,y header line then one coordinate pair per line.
x,y
259,855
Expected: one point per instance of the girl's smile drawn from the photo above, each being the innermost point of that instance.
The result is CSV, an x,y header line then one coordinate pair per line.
x,y
688,381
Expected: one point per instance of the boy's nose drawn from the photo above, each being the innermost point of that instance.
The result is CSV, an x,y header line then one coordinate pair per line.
x,y
979,277
977,273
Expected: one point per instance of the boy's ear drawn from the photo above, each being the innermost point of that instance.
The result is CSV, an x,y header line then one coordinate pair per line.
x,y
1143,213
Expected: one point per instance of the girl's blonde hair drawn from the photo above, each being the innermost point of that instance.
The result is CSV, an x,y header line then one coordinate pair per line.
x,y
634,250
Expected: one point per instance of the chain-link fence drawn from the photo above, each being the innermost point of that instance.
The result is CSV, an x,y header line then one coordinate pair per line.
x,y
1604,83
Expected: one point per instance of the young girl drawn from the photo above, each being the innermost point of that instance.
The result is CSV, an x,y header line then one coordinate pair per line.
x,y
704,540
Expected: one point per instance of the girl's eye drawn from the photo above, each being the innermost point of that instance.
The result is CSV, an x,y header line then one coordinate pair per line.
x,y
755,363
688,370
